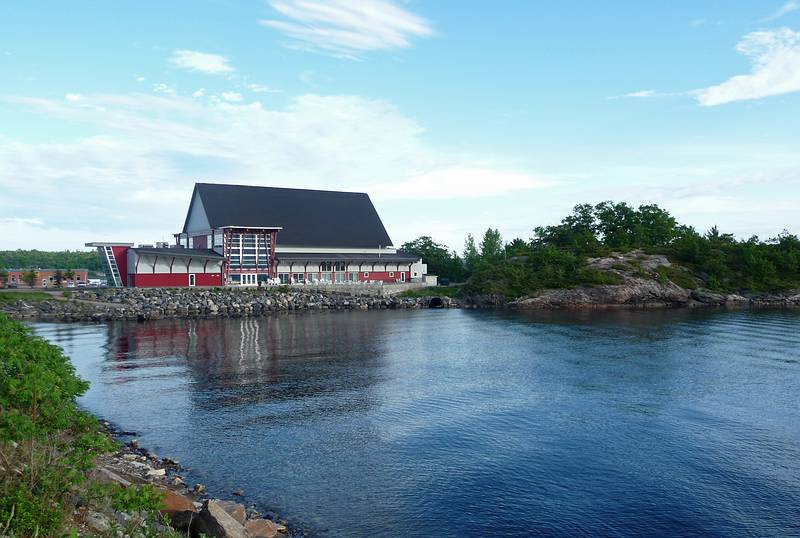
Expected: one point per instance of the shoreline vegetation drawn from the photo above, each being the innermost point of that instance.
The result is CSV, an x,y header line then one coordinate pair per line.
x,y
629,256
63,473
609,255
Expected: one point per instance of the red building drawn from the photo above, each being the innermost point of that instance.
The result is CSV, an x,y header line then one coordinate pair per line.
x,y
48,278
245,235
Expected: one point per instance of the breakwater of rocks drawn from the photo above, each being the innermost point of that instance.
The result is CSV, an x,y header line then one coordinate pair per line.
x,y
170,303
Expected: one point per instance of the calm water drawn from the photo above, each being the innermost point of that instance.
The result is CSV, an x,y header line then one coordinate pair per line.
x,y
456,423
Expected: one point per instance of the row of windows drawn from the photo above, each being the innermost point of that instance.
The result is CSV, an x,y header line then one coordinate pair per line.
x,y
325,276
333,266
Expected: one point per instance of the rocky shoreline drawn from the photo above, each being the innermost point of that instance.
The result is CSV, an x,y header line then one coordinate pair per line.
x,y
644,281
173,303
141,304
189,510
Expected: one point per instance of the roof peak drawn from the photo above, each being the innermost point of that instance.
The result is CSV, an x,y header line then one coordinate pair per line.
x,y
205,183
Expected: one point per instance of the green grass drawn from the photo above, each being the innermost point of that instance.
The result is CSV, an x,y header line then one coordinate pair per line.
x,y
10,297
433,291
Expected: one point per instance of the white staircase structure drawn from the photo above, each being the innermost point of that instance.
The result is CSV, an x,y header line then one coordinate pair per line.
x,y
106,252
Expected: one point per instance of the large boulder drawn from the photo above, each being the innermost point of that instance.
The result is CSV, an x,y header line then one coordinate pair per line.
x,y
235,510
264,528
214,521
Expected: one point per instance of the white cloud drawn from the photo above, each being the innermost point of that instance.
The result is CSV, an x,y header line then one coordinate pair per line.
x,y
785,9
9,221
347,28
459,183
212,64
73,97
153,147
231,96
776,69
163,88
140,79
261,88
199,93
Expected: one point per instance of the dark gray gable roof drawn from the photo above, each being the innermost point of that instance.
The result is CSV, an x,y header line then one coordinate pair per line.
x,y
308,217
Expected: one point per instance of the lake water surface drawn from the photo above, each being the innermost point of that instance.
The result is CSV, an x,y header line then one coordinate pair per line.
x,y
463,423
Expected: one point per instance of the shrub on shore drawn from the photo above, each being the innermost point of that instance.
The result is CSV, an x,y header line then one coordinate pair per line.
x,y
47,444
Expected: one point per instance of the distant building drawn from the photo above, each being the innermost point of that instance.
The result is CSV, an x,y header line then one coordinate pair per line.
x,y
243,235
47,278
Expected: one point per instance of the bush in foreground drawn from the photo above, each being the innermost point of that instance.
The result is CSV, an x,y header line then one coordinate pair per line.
x,y
47,445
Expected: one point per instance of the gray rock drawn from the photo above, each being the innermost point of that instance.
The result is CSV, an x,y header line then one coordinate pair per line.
x,y
214,521
99,523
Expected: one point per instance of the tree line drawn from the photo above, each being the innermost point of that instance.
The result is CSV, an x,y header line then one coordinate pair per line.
x,y
62,259
554,256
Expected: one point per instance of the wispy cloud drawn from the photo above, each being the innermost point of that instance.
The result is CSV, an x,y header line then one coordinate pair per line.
x,y
233,97
785,9
161,143
775,55
461,182
347,28
212,64
641,94
261,88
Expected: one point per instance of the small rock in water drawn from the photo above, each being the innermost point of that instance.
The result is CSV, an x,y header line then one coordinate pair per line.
x,y
238,493
133,443
199,488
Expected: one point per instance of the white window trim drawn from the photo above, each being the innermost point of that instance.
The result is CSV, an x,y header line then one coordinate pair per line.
x,y
192,280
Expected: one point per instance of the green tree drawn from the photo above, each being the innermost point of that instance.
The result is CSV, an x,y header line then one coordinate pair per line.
x,y
3,277
29,277
42,258
492,249
440,260
58,278
472,258
517,247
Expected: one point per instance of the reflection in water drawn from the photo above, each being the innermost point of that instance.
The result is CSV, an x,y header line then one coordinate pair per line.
x,y
460,423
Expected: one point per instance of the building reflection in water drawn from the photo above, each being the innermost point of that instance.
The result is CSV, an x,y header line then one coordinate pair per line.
x,y
233,362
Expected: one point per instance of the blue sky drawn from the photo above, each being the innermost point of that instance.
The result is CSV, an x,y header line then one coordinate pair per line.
x,y
453,116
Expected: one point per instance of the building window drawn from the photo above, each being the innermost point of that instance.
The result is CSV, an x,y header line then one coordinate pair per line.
x,y
299,278
366,274
403,276
391,274
192,279
284,278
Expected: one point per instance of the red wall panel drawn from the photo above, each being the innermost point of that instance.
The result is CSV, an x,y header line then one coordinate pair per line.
x,y
121,257
374,276
174,280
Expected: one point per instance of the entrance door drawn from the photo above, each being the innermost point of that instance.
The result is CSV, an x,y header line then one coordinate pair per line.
x,y
192,280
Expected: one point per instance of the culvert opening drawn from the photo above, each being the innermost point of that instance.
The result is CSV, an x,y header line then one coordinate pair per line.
x,y
436,302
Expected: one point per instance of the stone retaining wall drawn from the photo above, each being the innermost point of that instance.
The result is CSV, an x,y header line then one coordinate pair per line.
x,y
170,303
